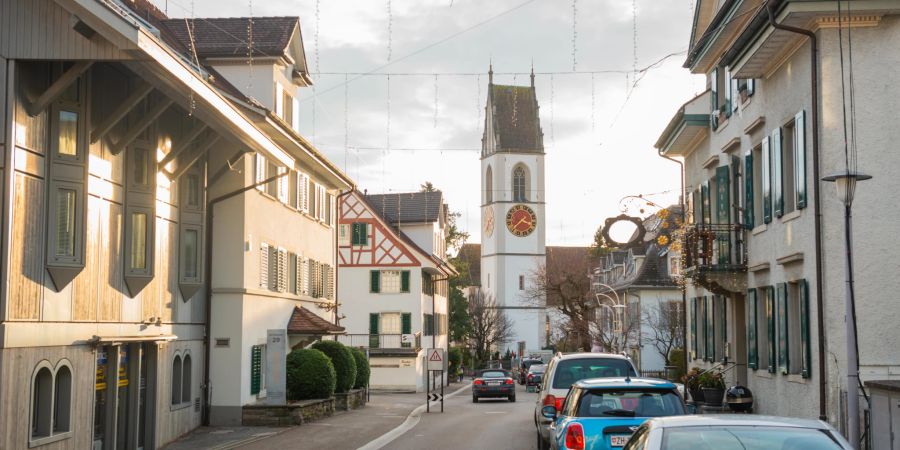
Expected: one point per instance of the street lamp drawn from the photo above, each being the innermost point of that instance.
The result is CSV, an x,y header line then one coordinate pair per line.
x,y
845,182
612,311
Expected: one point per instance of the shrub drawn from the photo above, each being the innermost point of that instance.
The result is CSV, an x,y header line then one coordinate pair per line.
x,y
362,368
310,375
344,363
712,380
456,356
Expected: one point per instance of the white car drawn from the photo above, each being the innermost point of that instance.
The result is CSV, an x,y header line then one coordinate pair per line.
x,y
735,432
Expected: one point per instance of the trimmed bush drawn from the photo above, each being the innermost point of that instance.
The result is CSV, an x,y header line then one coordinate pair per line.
x,y
362,368
310,375
344,363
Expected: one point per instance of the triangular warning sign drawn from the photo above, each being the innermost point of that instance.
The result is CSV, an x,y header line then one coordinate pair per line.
x,y
435,356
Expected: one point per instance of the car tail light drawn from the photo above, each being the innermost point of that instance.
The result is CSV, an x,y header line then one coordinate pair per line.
x,y
549,400
479,382
575,437
530,376
509,381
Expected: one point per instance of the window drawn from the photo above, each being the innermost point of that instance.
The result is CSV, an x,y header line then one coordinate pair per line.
x,y
390,323
793,327
41,403
489,185
787,158
273,187
65,222
192,190
427,285
389,281
312,199
191,254
62,399
766,179
138,241
428,324
292,272
674,265
67,145
51,402
176,380
140,214
186,379
292,189
344,232
141,165
771,344
190,230
520,184
799,146
260,172
288,103
521,282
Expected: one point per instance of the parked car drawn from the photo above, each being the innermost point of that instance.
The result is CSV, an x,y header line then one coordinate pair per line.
x,y
524,366
564,370
534,376
493,383
736,432
603,413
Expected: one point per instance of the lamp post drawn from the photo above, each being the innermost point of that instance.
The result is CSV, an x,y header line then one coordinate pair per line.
x,y
845,182
616,306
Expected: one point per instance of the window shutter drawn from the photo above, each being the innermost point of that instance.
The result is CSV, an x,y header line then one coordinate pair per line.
x,y
722,320
714,99
705,203
723,199
703,327
782,318
264,266
298,275
697,201
273,269
373,323
320,274
282,270
303,276
748,191
777,172
805,345
406,323
800,158
260,171
751,87
343,237
752,349
694,328
303,192
375,281
404,281
311,277
711,327
356,233
770,328
255,368
329,282
766,180
728,93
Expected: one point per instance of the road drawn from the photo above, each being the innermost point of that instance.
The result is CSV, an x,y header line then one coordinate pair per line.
x,y
494,424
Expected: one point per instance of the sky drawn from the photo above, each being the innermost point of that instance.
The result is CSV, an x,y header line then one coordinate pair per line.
x,y
425,121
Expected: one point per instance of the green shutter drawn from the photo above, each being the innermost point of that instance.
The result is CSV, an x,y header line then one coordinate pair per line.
x,y
748,191
406,323
694,328
752,349
777,172
255,368
722,317
714,99
723,197
705,203
404,281
375,281
354,234
805,346
766,180
373,330
710,328
800,158
781,295
770,328
697,203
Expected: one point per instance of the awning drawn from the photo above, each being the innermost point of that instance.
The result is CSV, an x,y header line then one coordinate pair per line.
x,y
306,322
122,339
688,127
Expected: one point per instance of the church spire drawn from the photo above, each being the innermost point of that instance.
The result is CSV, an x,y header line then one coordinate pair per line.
x,y
490,73
532,73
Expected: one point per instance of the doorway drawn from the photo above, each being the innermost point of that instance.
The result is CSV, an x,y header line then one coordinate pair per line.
x,y
124,395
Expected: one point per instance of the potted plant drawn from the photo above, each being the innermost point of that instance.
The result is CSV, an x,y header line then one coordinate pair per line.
x,y
691,382
713,386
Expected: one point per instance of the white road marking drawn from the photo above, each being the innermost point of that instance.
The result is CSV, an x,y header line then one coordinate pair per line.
x,y
495,412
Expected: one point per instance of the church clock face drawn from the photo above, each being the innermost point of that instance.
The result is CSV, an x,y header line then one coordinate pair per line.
x,y
489,221
521,220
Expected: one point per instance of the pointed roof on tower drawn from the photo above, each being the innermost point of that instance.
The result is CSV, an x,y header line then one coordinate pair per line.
x,y
515,119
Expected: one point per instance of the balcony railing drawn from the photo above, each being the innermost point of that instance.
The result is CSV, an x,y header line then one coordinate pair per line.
x,y
382,340
714,248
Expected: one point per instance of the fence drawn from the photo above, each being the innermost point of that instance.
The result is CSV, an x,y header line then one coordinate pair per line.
x,y
381,340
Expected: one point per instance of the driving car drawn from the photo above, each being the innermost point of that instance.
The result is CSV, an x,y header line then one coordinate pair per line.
x,y
602,414
524,366
563,371
493,383
534,376
736,432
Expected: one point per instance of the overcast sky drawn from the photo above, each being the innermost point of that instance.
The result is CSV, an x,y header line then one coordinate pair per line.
x,y
599,140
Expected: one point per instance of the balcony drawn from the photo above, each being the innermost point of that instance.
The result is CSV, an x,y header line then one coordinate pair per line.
x,y
382,341
715,257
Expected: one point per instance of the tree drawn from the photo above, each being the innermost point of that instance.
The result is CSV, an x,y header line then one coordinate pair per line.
x,y
490,326
562,283
427,187
599,247
666,329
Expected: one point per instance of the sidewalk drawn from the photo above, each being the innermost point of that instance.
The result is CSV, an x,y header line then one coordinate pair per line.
x,y
344,430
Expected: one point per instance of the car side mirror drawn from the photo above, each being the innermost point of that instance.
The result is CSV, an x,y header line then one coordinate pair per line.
x,y
549,412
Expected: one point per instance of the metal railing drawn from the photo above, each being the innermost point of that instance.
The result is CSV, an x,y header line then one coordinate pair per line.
x,y
715,247
381,340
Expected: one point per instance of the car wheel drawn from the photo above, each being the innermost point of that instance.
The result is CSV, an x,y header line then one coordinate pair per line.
x,y
474,399
512,398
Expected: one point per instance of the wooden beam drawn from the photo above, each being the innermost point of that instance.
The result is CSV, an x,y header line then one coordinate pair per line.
x,y
120,112
142,124
58,87
194,156
182,144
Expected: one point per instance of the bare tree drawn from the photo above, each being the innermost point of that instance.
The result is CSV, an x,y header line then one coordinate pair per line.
x,y
562,283
614,331
666,328
489,325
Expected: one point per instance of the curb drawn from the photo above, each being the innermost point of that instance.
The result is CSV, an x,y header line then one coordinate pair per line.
x,y
411,421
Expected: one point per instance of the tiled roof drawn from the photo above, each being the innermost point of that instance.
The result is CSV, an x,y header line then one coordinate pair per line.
x,y
516,119
227,37
304,321
408,207
470,254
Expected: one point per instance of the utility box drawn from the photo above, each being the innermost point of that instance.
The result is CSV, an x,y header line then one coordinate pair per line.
x,y
885,413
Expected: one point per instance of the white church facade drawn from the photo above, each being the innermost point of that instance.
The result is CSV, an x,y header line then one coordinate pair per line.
x,y
513,210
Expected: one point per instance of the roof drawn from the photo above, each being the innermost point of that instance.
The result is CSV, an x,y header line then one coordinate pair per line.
x,y
886,385
620,382
470,255
579,355
736,420
226,37
408,207
304,321
517,123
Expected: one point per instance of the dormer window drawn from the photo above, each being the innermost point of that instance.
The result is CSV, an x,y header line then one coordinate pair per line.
x,y
285,105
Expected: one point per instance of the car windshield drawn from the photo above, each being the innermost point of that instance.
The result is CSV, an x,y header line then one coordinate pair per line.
x,y
493,374
629,403
530,362
747,438
538,369
568,371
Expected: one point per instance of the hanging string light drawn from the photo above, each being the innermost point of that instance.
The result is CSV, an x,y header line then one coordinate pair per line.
x,y
634,35
435,101
190,29
478,101
250,47
389,30
317,37
515,112
388,112
574,33
346,121
552,113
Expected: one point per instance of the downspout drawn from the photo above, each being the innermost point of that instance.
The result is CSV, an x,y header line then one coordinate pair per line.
x,y
210,205
681,204
820,301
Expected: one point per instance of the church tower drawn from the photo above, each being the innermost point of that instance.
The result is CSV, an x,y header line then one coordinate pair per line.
x,y
513,209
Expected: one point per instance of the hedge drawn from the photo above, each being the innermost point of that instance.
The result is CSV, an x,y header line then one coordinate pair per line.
x,y
344,363
362,368
310,375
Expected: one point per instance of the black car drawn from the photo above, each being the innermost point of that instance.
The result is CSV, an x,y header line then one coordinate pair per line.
x,y
493,383
523,368
535,375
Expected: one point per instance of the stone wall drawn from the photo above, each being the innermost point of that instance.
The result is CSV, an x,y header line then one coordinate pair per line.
x,y
354,399
286,415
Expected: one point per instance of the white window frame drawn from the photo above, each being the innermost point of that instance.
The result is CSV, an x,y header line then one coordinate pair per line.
x,y
388,280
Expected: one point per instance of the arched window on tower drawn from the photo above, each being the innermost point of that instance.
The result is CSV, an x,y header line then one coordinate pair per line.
x,y
489,185
520,184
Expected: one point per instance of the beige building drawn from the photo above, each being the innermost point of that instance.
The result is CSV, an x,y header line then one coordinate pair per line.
x,y
765,251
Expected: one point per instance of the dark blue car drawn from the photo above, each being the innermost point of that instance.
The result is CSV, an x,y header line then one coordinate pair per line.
x,y
602,413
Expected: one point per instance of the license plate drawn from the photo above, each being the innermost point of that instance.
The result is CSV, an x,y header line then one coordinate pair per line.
x,y
494,383
619,441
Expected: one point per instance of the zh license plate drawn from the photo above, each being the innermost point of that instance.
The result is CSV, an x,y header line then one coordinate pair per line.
x,y
494,383
619,441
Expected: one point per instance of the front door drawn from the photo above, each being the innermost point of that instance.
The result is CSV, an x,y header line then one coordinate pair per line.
x,y
124,395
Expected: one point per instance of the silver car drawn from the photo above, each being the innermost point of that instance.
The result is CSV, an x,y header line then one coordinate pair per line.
x,y
735,432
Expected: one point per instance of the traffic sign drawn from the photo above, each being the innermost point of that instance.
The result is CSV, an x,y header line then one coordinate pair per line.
x,y
435,358
436,397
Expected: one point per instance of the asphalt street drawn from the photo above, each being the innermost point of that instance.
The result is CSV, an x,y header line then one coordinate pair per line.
x,y
494,424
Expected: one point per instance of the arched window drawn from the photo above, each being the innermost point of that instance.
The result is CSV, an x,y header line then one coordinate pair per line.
x,y
41,403
186,379
51,402
489,185
176,380
62,399
520,184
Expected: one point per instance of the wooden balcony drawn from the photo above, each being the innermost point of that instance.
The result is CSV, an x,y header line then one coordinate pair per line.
x,y
715,257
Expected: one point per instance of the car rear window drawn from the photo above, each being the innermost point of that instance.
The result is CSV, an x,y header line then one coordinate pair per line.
x,y
493,374
747,438
538,368
629,403
569,371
